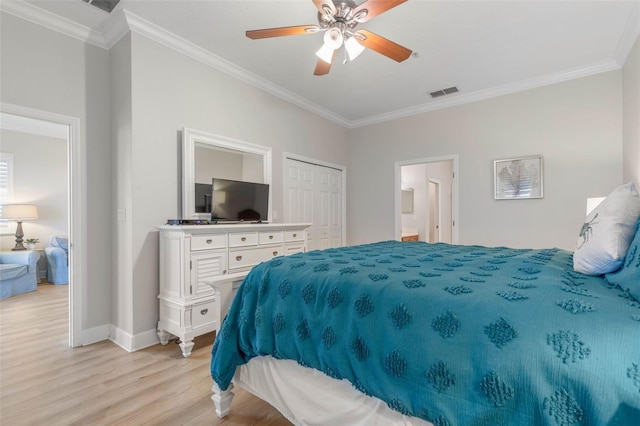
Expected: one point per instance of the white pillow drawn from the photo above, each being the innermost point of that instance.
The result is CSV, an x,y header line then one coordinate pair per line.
x,y
607,232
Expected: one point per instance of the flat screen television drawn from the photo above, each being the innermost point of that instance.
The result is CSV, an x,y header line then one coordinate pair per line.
x,y
234,200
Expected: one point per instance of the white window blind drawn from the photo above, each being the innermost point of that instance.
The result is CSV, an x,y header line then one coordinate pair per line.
x,y
6,185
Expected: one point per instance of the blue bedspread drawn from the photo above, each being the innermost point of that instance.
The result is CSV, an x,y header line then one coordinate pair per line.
x,y
457,335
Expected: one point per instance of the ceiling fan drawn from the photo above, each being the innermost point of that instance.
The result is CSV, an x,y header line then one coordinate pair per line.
x,y
339,19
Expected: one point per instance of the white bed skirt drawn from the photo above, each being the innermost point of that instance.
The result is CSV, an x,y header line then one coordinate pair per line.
x,y
308,397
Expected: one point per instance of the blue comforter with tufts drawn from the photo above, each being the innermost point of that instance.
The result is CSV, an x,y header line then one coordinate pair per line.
x,y
456,335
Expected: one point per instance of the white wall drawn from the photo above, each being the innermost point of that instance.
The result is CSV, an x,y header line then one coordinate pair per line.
x,y
575,125
48,71
631,108
40,178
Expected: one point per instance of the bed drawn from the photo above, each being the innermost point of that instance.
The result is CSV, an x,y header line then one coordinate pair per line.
x,y
417,333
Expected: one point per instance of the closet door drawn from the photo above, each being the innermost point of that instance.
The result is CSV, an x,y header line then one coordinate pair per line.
x,y
313,194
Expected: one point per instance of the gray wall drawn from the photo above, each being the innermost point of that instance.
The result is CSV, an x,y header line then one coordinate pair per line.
x,y
575,125
631,123
122,192
48,71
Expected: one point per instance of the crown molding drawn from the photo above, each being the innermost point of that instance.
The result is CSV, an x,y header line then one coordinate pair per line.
x,y
629,35
465,98
124,21
39,16
114,28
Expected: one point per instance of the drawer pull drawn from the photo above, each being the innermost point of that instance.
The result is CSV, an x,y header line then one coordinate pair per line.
x,y
275,253
209,241
295,235
271,237
243,239
224,272
238,258
204,311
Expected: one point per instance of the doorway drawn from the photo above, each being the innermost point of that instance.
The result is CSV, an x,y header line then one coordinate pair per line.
x,y
69,129
435,191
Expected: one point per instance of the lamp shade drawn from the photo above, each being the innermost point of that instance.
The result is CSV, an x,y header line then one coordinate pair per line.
x,y
354,49
19,212
592,203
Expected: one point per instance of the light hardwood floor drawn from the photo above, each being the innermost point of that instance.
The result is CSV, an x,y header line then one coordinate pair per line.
x,y
43,381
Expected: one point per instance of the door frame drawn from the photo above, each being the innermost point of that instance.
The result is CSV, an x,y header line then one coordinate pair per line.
x,y
439,208
76,176
342,169
454,193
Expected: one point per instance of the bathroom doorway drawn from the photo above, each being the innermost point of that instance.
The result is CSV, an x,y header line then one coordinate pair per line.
x,y
433,182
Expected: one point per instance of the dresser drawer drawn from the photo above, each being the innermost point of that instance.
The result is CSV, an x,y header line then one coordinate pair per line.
x,y
240,239
205,242
251,257
203,314
297,235
270,237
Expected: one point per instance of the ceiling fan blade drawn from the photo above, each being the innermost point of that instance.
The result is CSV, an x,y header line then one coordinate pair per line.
x,y
282,31
375,8
323,68
383,46
325,6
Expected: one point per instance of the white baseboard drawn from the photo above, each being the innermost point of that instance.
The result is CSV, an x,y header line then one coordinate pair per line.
x,y
95,334
132,343
126,341
145,339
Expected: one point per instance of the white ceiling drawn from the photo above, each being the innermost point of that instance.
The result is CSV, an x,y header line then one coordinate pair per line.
x,y
485,48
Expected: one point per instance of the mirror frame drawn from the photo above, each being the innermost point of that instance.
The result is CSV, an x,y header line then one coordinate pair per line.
x,y
192,137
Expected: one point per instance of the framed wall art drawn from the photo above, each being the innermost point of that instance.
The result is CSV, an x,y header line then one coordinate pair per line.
x,y
518,178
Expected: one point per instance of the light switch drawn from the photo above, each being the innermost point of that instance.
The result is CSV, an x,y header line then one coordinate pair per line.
x,y
122,215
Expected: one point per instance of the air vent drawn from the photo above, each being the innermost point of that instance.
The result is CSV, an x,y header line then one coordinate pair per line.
x,y
106,5
443,92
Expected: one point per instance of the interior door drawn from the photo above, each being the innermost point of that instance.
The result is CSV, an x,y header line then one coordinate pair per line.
x,y
313,194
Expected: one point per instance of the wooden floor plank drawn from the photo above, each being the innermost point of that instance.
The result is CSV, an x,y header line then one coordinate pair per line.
x,y
43,381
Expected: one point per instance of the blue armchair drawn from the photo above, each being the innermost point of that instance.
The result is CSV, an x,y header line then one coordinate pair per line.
x,y
18,272
58,260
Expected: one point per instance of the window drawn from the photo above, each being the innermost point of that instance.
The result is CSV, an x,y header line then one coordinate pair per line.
x,y
6,187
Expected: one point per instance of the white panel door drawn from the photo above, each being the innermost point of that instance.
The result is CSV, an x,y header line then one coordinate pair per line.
x,y
299,199
313,194
335,213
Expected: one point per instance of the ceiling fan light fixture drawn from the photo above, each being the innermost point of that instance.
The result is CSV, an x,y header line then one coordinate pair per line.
x,y
333,38
325,53
354,49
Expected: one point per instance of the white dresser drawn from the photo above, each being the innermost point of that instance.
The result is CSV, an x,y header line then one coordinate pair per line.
x,y
202,266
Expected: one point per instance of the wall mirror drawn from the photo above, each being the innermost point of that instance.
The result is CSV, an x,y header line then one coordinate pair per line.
x,y
205,155
407,200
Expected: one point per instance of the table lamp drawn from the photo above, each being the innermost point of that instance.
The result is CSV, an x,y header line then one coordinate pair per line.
x,y
19,212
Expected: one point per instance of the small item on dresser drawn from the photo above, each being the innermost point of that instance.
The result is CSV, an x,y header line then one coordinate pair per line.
x,y
188,222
